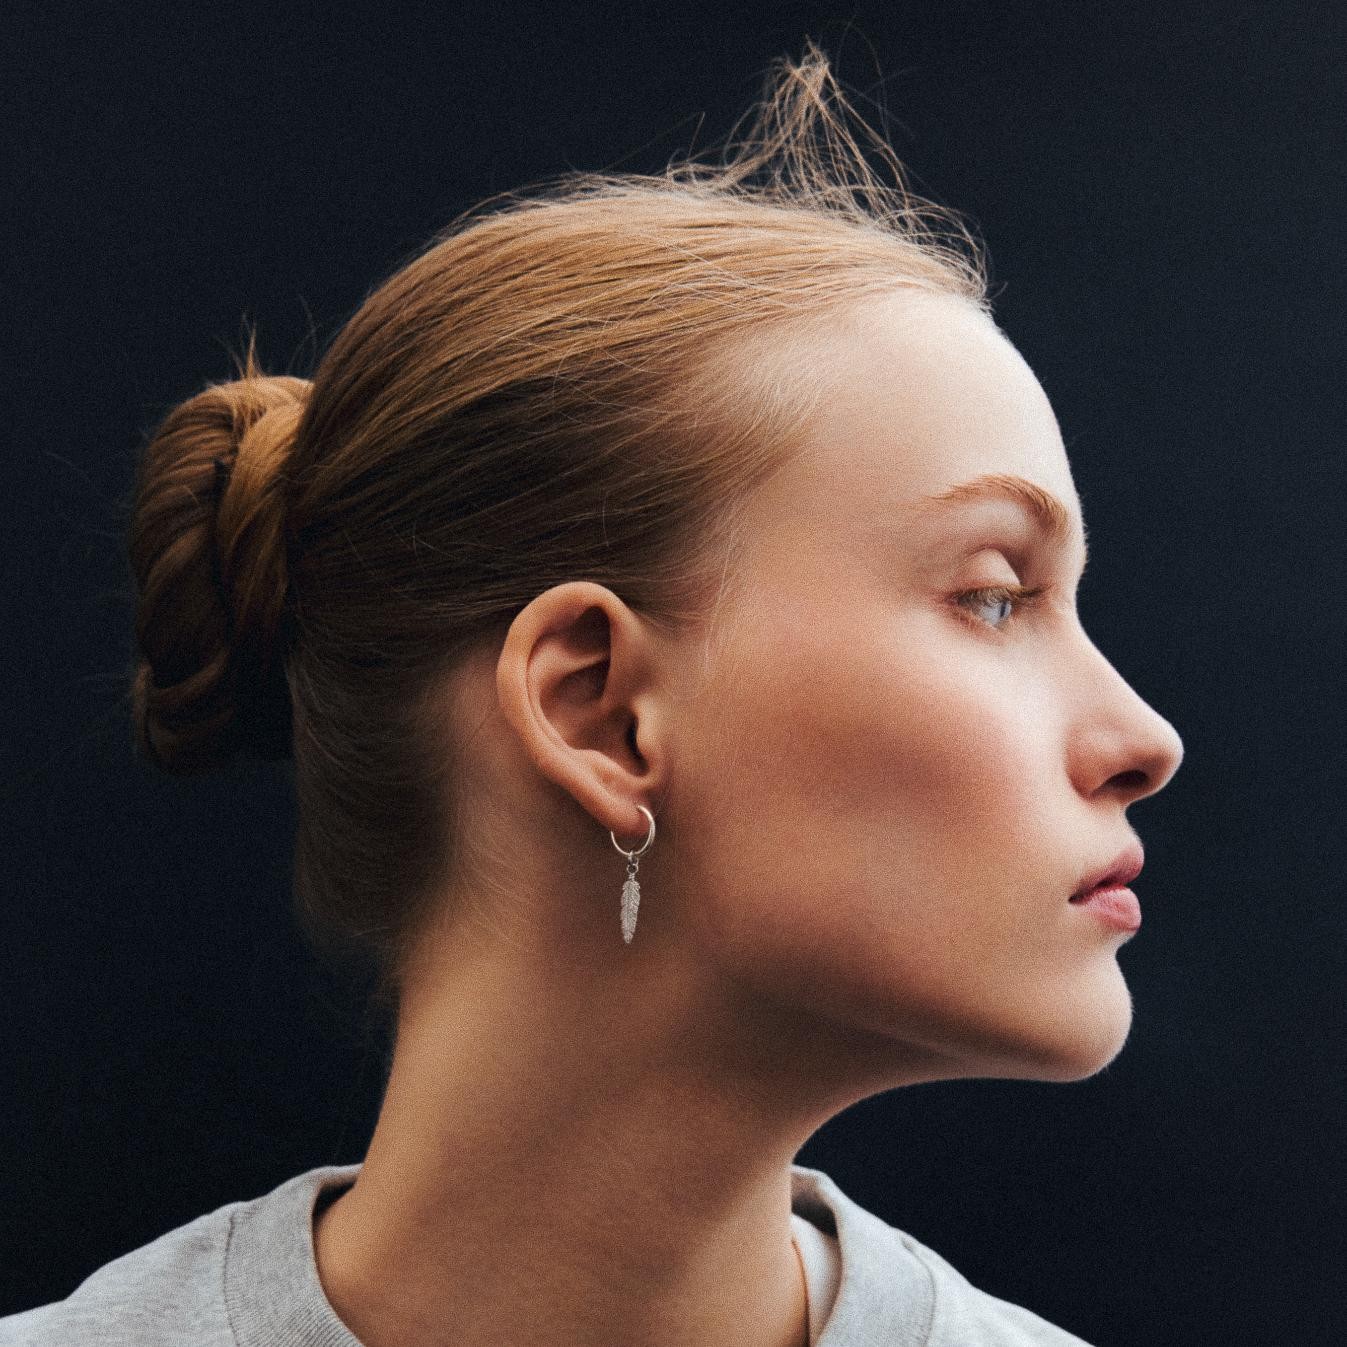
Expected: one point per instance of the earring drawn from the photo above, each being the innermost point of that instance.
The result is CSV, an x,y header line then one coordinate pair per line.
x,y
631,890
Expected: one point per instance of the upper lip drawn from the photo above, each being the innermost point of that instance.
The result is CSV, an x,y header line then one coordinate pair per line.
x,y
1123,869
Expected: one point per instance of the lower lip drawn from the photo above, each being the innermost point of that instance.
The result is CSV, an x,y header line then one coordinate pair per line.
x,y
1115,907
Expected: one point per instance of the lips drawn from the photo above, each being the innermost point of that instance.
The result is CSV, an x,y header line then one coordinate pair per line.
x,y
1121,871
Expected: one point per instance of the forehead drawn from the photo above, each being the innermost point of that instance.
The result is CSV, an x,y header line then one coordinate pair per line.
x,y
921,394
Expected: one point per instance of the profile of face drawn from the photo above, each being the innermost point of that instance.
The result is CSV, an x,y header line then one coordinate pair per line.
x,y
886,789
877,781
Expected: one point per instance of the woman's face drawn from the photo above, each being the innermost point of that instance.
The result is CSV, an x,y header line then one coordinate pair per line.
x,y
885,795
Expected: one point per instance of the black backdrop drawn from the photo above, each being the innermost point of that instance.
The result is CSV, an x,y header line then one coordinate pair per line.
x,y
1162,190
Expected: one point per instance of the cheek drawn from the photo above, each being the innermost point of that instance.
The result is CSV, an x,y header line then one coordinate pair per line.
x,y
851,799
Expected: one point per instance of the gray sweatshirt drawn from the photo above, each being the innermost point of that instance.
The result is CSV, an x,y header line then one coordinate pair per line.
x,y
244,1275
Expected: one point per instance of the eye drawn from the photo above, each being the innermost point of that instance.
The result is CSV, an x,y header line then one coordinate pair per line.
x,y
1017,596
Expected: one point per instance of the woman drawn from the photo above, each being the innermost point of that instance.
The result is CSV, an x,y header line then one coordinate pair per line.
x,y
712,503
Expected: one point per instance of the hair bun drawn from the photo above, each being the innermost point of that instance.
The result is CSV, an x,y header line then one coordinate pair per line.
x,y
207,548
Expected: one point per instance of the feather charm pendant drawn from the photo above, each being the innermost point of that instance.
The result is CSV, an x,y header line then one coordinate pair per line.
x,y
631,898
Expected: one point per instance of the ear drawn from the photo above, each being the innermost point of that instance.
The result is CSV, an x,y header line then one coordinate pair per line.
x,y
577,681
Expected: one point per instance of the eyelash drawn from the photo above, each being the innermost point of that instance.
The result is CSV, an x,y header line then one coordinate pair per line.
x,y
1020,596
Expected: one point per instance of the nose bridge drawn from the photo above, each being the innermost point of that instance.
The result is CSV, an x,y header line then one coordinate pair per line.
x,y
1120,731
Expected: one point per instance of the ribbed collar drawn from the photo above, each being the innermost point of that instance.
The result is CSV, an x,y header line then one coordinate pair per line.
x,y
273,1296
886,1295
272,1293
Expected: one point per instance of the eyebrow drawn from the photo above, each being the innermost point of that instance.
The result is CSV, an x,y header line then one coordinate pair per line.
x,y
1048,513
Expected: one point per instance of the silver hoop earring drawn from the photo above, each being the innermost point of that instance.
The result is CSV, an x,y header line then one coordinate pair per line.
x,y
631,890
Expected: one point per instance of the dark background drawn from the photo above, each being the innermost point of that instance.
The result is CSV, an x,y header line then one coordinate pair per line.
x,y
1162,190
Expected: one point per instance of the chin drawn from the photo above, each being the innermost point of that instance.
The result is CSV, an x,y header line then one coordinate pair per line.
x,y
1073,1038
1094,1038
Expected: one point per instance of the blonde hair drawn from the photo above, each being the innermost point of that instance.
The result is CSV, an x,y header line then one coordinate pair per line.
x,y
560,386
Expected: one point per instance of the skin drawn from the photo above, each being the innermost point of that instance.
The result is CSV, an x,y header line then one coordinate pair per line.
x,y
872,804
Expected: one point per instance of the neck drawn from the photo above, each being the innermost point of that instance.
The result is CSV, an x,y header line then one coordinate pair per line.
x,y
576,1164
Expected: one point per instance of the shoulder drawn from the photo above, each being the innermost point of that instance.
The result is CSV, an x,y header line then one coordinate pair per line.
x,y
963,1313
169,1291
896,1288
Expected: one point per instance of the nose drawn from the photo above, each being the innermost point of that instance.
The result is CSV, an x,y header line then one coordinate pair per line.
x,y
1153,760
1127,748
